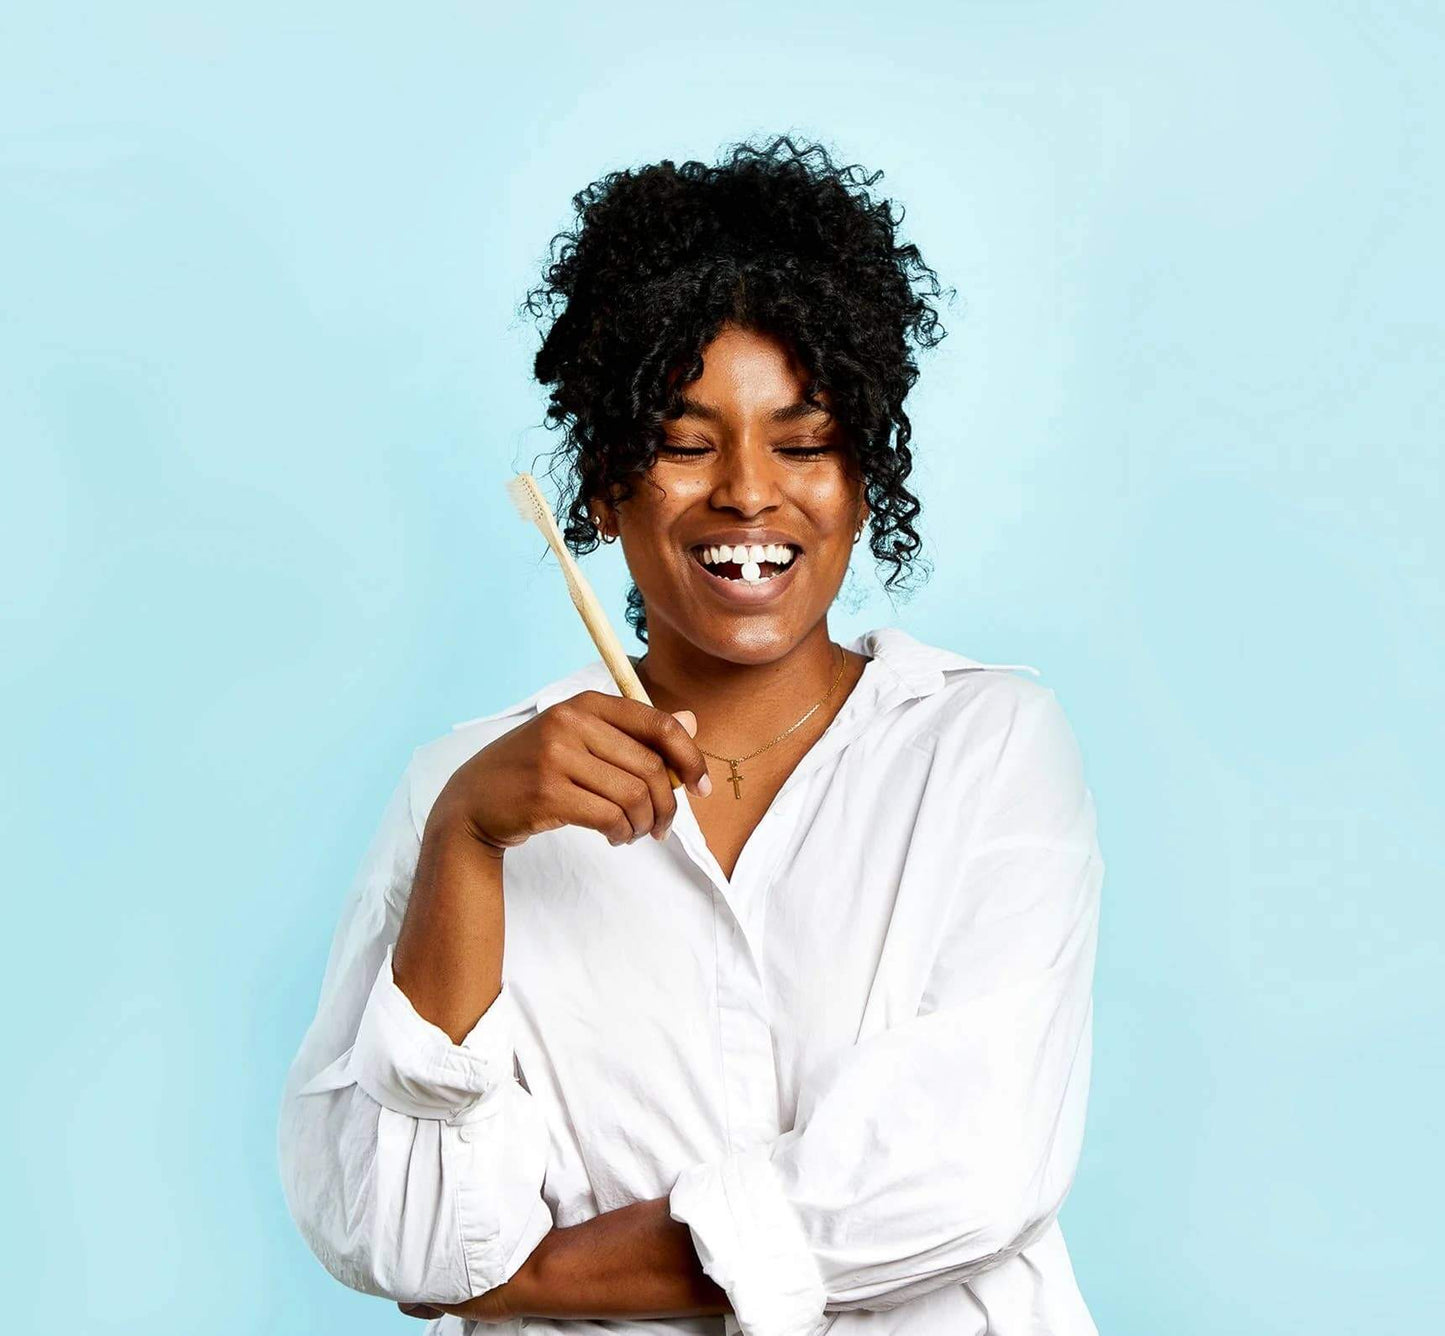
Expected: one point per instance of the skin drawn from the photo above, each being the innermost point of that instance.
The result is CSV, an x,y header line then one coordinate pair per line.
x,y
746,454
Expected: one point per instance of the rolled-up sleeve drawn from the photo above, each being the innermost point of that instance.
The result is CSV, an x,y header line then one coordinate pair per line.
x,y
412,1166
934,1150
411,1066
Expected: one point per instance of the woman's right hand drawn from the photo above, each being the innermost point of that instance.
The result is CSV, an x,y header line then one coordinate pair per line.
x,y
593,760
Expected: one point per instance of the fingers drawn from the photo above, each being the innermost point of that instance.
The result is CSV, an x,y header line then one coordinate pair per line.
x,y
596,812
634,760
658,730
612,758
629,792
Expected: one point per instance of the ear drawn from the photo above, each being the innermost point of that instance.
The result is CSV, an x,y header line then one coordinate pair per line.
x,y
604,519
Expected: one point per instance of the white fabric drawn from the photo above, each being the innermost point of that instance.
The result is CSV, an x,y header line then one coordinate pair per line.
x,y
858,1068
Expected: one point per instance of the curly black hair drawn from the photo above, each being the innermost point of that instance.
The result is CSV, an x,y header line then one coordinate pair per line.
x,y
776,239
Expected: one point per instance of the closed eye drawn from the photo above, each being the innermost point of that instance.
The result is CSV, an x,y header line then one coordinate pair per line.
x,y
793,452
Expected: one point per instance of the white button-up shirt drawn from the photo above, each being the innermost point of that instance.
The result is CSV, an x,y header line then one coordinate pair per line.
x,y
858,1068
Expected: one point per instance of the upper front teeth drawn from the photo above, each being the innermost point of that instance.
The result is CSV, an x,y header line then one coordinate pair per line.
x,y
780,554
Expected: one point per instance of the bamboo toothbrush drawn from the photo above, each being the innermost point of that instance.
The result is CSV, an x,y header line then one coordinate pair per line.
x,y
532,506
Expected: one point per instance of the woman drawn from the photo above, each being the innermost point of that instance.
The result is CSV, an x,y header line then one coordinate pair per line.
x,y
816,1053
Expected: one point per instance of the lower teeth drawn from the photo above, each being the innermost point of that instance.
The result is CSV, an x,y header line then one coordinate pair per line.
x,y
750,572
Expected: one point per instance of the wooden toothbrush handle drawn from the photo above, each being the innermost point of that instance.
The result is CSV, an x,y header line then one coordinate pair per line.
x,y
618,664
630,685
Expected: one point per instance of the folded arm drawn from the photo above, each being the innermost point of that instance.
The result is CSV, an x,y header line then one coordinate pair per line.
x,y
937,1149
411,1163
633,1262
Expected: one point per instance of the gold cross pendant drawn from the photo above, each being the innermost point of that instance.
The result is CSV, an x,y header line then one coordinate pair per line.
x,y
736,780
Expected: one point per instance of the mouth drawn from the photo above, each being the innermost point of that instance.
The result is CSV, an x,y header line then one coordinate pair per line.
x,y
746,575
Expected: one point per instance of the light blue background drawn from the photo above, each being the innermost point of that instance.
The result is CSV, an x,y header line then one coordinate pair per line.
x,y
261,379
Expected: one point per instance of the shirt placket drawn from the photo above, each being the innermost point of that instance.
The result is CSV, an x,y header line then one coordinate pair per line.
x,y
744,1019
744,1025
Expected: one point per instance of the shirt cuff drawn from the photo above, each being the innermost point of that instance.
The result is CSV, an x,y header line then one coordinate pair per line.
x,y
750,1241
408,1065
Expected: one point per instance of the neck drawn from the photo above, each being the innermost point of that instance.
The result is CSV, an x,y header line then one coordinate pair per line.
x,y
739,705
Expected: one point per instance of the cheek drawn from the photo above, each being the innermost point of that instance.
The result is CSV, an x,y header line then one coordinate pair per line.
x,y
665,487
650,513
833,504
668,495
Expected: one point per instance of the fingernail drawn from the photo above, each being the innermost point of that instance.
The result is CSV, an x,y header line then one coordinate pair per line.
x,y
704,785
688,720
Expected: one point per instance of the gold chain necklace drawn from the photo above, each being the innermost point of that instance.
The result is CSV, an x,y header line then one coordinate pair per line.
x,y
736,778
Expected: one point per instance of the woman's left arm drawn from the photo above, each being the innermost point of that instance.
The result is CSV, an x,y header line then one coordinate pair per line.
x,y
933,1151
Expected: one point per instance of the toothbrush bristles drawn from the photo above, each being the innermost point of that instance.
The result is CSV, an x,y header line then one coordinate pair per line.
x,y
532,506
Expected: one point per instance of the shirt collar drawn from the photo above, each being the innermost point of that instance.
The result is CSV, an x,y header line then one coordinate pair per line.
x,y
919,667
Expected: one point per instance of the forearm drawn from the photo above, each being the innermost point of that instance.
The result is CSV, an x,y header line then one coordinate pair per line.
x,y
634,1262
448,957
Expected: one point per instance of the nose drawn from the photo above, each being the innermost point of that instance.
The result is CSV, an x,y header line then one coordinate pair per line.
x,y
747,480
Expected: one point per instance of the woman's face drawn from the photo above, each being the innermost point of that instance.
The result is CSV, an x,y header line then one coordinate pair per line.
x,y
748,462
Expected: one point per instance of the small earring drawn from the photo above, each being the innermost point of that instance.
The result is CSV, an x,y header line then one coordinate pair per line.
x,y
859,534
605,537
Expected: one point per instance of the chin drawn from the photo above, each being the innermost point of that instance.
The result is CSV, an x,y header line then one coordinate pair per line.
x,y
750,640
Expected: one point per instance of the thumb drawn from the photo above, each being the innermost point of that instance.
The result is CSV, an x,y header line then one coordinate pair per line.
x,y
688,720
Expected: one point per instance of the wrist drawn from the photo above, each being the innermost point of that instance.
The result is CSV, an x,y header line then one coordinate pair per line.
x,y
526,1293
450,824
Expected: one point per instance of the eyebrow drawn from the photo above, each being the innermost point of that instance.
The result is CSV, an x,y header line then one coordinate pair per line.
x,y
696,408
